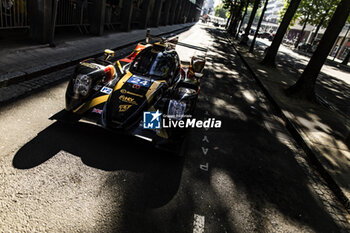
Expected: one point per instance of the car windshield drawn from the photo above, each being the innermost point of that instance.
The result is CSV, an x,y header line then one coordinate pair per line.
x,y
150,63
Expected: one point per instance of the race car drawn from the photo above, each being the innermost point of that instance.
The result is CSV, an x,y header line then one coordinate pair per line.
x,y
149,84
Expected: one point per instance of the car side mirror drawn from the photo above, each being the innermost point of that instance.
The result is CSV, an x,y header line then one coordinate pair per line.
x,y
108,53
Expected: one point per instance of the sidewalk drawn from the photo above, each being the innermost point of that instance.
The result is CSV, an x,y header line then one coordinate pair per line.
x,y
324,133
303,56
19,64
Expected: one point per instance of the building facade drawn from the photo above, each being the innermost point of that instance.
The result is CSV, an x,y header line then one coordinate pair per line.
x,y
340,47
208,7
94,16
271,18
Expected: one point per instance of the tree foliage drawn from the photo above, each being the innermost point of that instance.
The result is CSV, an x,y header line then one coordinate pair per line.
x,y
315,12
257,15
221,12
305,86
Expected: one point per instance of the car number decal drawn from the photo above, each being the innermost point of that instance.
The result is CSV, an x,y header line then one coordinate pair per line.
x,y
106,90
139,81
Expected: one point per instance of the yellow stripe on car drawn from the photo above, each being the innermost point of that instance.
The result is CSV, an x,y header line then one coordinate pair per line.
x,y
94,102
152,90
122,81
120,67
162,133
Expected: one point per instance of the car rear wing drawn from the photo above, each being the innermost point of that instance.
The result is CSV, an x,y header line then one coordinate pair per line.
x,y
173,41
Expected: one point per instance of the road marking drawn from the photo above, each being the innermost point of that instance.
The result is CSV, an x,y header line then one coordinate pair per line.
x,y
205,139
204,167
205,150
198,223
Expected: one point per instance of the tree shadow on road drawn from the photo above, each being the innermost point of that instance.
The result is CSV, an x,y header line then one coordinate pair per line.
x,y
258,162
324,124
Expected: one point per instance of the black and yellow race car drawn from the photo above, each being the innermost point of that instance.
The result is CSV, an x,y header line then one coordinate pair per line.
x,y
136,94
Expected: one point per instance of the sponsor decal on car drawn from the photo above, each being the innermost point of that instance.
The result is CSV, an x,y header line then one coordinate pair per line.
x,y
124,108
123,91
136,86
106,90
127,99
96,110
139,81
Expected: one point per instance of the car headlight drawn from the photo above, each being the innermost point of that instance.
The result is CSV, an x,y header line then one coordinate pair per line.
x,y
176,109
82,85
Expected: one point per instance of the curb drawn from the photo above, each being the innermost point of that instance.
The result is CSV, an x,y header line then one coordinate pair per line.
x,y
294,130
18,76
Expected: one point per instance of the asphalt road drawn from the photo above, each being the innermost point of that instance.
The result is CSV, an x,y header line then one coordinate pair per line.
x,y
248,176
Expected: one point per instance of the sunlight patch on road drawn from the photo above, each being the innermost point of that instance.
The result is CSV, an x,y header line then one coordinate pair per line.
x,y
221,106
198,223
248,96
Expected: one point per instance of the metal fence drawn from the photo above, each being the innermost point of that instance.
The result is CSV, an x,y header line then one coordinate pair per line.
x,y
73,12
113,13
13,14
76,13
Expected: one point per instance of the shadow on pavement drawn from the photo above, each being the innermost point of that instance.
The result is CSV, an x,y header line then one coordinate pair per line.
x,y
259,165
324,126
104,150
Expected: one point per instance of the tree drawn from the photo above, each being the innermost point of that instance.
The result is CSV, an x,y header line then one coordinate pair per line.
x,y
250,22
251,49
233,7
322,13
305,11
304,88
229,6
305,7
242,20
270,57
314,12
238,15
220,11
302,31
257,15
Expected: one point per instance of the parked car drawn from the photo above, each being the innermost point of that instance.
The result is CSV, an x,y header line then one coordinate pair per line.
x,y
252,32
308,48
263,35
266,35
